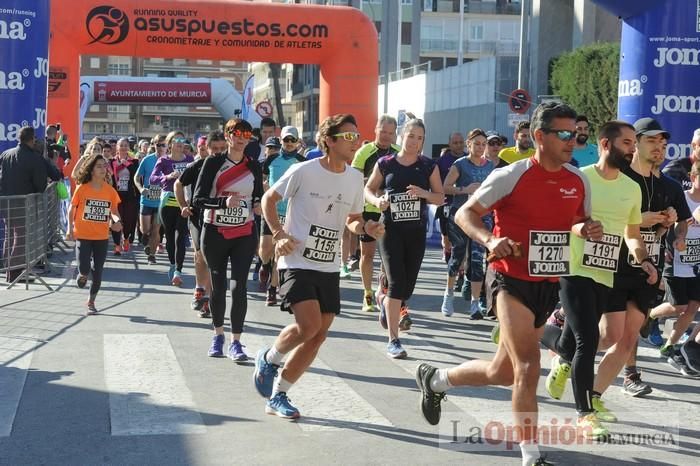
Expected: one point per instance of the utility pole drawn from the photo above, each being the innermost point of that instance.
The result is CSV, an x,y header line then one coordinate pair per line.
x,y
524,60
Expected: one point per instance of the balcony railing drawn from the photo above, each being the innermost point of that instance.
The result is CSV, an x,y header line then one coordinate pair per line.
x,y
482,47
492,8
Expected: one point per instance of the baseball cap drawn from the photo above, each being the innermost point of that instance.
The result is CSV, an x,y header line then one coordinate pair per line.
x,y
202,141
492,135
289,131
649,127
273,142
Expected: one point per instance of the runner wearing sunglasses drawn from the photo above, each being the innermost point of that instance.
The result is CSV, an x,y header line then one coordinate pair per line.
x,y
165,172
325,196
616,202
228,190
273,168
401,186
524,285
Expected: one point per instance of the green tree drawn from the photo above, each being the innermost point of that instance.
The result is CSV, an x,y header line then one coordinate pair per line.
x,y
587,79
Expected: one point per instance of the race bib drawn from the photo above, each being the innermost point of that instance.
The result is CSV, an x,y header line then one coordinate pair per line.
x,y
404,207
179,167
152,192
549,253
321,244
603,254
96,210
233,216
653,249
691,255
123,184
282,219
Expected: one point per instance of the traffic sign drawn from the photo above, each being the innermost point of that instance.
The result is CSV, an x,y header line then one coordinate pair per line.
x,y
519,101
264,108
515,118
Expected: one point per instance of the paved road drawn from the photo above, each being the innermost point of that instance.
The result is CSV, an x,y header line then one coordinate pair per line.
x,y
133,385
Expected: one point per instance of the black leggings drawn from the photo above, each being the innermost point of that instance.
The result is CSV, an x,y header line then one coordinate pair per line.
x,y
219,252
176,232
402,253
584,302
91,255
129,209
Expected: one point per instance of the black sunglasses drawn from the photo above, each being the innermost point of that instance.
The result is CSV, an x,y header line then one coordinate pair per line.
x,y
289,139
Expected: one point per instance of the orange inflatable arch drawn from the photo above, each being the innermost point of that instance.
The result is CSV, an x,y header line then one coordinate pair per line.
x,y
342,40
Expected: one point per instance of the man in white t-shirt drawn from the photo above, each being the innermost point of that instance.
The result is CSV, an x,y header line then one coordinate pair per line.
x,y
325,195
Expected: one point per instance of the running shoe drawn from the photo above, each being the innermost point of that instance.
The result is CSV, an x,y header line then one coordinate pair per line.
x,y
460,281
368,304
395,350
216,350
264,276
590,426
382,310
91,309
205,313
271,299
81,281
448,305
405,322
556,319
117,250
353,263
655,338
603,413
557,377
171,272
496,334
542,461
126,245
177,278
236,353
161,249
264,375
345,271
430,400
633,386
147,250
666,351
684,338
281,406
152,259
475,310
677,361
691,354
197,299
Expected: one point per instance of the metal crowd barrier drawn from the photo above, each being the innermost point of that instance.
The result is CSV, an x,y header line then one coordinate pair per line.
x,y
30,228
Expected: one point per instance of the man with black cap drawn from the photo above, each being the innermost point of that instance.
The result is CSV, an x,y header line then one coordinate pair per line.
x,y
274,166
663,206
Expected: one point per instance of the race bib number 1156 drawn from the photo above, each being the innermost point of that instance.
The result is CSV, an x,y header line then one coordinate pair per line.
x,y
321,244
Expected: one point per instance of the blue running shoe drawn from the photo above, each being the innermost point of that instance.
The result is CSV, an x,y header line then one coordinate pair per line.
x,y
655,338
281,406
236,353
171,272
264,375
382,310
216,350
395,350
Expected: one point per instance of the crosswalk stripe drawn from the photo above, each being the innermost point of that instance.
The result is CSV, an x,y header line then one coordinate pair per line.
x,y
325,400
147,390
15,360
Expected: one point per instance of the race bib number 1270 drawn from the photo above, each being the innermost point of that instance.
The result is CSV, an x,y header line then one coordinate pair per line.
x,y
549,253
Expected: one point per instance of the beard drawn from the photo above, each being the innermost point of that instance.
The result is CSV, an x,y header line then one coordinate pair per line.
x,y
581,139
619,159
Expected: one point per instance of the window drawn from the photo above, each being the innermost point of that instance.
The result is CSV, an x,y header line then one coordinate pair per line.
x,y
507,31
179,61
94,108
476,31
156,60
118,69
405,33
94,62
204,62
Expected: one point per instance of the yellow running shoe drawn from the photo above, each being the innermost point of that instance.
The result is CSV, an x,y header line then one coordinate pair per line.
x,y
590,427
496,334
557,377
603,413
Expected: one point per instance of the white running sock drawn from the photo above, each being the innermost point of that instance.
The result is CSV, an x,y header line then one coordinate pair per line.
x,y
280,385
530,452
439,382
273,356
